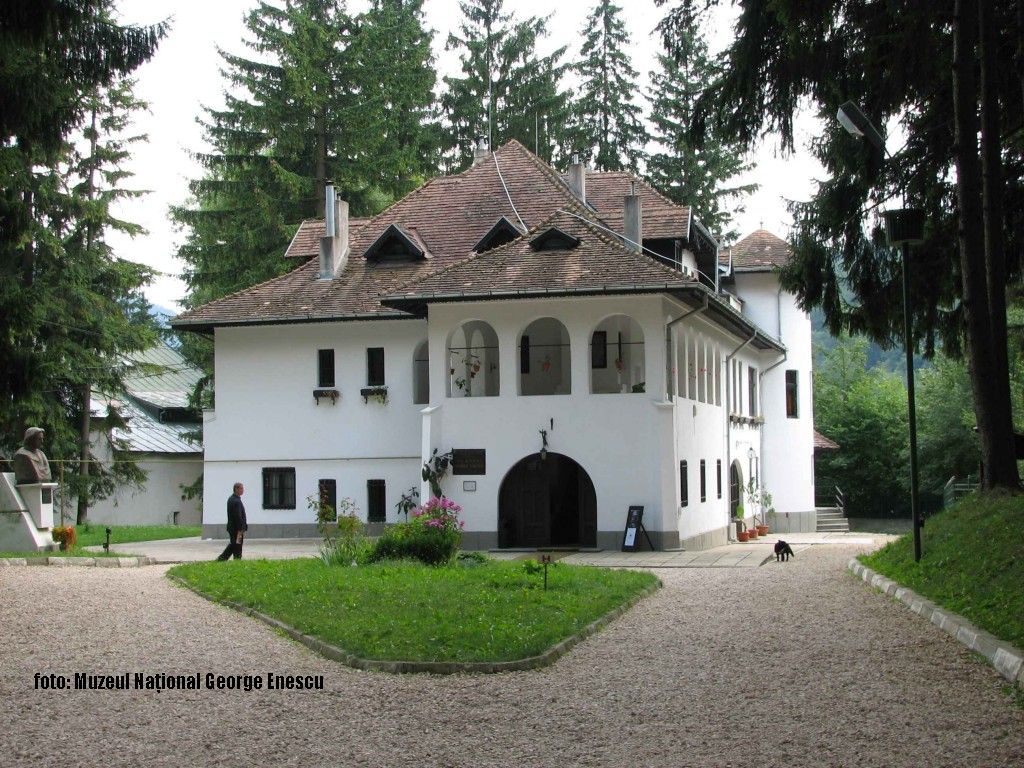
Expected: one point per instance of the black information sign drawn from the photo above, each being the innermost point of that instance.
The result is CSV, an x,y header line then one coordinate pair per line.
x,y
631,536
469,461
634,527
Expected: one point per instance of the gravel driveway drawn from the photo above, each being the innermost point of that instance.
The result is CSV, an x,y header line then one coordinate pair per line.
x,y
792,664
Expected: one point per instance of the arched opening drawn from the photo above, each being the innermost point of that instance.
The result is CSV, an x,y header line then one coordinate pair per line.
x,y
735,487
421,374
617,356
472,360
547,502
544,367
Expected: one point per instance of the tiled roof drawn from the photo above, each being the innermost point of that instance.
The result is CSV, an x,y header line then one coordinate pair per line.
x,y
599,264
661,218
448,216
306,243
822,443
760,251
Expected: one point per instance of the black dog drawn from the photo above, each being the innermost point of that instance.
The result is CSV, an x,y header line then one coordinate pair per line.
x,y
783,551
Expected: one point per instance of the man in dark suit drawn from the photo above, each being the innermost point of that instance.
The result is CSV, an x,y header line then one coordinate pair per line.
x,y
237,525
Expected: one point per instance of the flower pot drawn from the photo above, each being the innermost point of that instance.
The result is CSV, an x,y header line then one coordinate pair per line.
x,y
752,532
762,530
743,536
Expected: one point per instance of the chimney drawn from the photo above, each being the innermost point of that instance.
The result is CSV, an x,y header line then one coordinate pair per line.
x,y
480,151
633,220
578,179
334,244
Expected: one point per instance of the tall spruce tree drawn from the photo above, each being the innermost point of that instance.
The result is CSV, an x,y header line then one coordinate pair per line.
x,y
70,309
916,64
702,174
327,96
609,123
506,90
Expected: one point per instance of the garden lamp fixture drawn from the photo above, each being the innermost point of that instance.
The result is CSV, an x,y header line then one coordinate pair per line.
x,y
903,227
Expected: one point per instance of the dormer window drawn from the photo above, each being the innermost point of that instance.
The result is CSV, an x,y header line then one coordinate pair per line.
x,y
503,231
554,239
395,244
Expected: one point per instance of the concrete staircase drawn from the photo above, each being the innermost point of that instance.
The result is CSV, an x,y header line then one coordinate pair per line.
x,y
832,520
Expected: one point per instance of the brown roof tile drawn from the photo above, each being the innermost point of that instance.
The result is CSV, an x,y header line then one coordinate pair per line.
x,y
760,250
822,443
306,243
448,216
661,217
600,263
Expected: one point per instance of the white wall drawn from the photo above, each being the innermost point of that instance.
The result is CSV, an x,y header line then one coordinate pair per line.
x,y
614,437
266,415
788,443
158,502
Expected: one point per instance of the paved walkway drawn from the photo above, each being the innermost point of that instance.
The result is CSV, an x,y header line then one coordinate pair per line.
x,y
794,666
750,555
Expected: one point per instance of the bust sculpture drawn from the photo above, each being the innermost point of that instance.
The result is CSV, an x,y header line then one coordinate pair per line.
x,y
30,463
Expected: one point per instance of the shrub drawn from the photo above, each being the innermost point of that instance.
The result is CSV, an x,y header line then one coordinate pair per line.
x,y
432,536
342,533
65,536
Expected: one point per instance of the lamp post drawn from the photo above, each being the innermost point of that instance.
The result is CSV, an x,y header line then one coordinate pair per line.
x,y
903,227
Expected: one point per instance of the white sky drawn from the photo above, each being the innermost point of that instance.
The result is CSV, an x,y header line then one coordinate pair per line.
x,y
184,75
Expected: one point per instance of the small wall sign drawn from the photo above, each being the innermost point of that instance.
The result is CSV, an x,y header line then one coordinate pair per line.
x,y
469,461
469,486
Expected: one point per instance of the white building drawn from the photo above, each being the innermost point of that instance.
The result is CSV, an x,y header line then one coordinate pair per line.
x,y
157,424
500,312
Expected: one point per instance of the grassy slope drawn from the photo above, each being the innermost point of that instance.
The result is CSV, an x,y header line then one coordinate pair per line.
x,y
407,612
972,563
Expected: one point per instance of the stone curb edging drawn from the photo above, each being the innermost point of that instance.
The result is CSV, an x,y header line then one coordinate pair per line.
x,y
79,562
1006,658
334,653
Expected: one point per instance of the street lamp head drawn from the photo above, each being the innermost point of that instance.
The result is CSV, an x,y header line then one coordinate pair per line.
x,y
856,123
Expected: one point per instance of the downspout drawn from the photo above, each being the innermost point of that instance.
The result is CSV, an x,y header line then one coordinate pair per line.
x,y
728,393
668,338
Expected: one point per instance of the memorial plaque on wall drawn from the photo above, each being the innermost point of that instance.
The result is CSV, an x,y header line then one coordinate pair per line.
x,y
469,461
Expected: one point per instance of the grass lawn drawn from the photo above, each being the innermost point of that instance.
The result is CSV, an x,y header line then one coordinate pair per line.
x,y
495,611
95,533
972,563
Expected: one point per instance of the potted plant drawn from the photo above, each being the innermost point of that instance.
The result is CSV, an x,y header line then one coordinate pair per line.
x,y
737,518
743,536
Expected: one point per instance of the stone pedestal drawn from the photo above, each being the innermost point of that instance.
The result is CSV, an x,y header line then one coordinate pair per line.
x,y
38,497
26,515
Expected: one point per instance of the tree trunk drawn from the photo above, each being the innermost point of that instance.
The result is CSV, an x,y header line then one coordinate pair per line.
x,y
977,324
321,162
1002,472
83,457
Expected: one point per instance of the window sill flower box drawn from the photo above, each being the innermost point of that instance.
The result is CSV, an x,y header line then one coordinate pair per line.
x,y
380,394
332,394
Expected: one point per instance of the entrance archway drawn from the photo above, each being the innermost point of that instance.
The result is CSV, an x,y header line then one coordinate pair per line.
x,y
735,487
547,502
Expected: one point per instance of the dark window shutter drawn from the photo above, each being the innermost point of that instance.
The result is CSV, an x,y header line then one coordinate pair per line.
x,y
375,367
703,482
524,355
325,368
376,509
684,489
719,467
792,395
329,493
599,350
